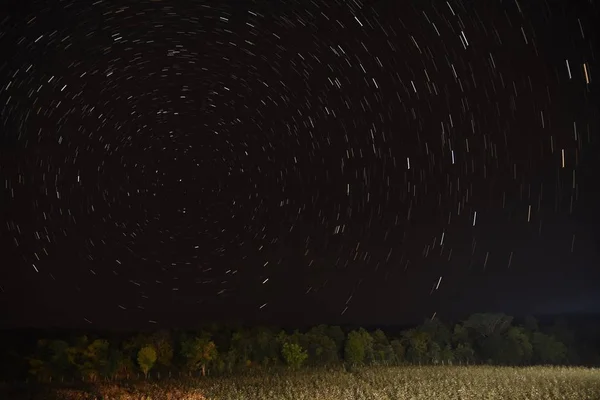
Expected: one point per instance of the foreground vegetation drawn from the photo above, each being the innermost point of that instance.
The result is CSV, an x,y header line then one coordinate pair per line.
x,y
376,383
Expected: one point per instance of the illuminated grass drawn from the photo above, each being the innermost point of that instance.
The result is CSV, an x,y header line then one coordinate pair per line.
x,y
375,383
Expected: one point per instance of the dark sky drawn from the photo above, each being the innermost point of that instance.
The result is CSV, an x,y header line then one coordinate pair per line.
x,y
170,163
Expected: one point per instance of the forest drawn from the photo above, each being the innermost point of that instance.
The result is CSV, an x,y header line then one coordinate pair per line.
x,y
216,350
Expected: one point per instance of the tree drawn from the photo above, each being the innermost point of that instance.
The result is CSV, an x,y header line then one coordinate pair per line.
x,y
242,346
134,344
437,331
76,354
40,369
96,359
293,354
230,360
50,360
493,349
531,324
399,351
486,325
464,353
548,350
511,348
367,340
163,344
433,354
337,335
119,366
198,352
489,333
447,354
89,358
460,335
463,345
519,349
321,349
418,346
383,351
39,365
146,358
354,351
59,361
263,346
561,331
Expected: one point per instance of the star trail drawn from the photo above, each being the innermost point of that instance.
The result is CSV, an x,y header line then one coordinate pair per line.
x,y
172,161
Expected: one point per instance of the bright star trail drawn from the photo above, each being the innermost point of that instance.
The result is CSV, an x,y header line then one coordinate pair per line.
x,y
167,162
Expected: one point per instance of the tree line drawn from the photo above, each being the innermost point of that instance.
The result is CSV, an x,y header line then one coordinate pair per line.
x,y
481,338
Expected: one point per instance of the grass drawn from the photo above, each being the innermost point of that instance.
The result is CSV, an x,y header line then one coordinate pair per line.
x,y
374,383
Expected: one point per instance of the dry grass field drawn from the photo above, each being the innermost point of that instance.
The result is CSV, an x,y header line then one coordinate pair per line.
x,y
374,383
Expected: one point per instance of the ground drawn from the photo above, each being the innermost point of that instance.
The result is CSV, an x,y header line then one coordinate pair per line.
x,y
376,383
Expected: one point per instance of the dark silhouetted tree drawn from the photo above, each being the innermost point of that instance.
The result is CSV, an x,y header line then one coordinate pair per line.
x,y
548,350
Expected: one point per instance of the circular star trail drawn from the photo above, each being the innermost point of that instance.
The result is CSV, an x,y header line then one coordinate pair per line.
x,y
163,155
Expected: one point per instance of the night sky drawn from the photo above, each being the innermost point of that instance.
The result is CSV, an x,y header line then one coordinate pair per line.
x,y
170,163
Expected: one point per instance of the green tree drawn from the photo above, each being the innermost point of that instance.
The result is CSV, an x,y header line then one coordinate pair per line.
x,y
134,344
96,358
399,351
146,358
437,331
39,363
447,354
354,350
118,366
464,353
382,349
519,349
548,350
130,349
434,351
561,331
263,346
59,361
163,344
293,354
337,335
493,349
418,345
460,335
463,345
322,350
367,340
486,325
199,352
39,369
531,324
89,358
241,345
488,331
76,354
50,360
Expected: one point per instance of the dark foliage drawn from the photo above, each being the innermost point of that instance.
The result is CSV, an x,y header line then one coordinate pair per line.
x,y
480,339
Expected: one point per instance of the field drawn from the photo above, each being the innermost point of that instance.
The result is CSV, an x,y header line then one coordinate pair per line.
x,y
375,383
